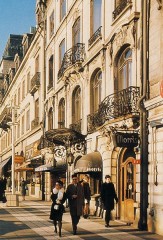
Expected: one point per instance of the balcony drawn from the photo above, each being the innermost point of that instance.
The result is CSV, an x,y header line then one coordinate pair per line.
x,y
35,123
116,105
35,83
123,4
76,126
72,56
95,36
5,117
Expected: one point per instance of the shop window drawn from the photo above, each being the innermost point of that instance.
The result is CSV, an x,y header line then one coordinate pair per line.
x,y
76,32
50,119
95,91
61,114
76,105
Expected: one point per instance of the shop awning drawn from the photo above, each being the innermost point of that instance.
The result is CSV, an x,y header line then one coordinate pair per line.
x,y
3,163
91,162
44,168
24,167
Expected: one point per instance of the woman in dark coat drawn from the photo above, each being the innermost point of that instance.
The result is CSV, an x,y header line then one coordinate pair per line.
x,y
57,208
23,189
108,195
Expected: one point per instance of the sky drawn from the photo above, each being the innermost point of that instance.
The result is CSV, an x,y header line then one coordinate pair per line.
x,y
16,17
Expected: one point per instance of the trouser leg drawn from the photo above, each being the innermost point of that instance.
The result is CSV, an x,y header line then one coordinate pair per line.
x,y
107,216
75,221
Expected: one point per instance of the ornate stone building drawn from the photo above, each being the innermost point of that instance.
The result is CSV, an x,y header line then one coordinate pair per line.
x,y
87,70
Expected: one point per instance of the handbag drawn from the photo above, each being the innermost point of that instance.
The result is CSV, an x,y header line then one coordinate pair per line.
x,y
56,207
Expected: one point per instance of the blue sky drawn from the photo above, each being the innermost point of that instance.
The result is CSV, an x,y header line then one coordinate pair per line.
x,y
16,17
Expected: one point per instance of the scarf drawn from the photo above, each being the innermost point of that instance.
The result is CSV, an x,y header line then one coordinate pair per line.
x,y
59,193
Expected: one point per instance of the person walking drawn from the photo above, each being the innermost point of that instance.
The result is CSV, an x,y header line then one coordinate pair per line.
x,y
75,195
8,184
87,195
23,189
57,209
108,195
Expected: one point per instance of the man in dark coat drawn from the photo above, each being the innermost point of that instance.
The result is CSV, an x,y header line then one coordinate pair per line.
x,y
108,195
75,195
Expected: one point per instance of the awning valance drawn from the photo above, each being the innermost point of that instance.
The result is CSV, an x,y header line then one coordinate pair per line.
x,y
3,163
44,168
91,162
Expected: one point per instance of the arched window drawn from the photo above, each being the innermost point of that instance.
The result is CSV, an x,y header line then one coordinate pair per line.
x,y
76,32
95,91
61,114
76,105
124,68
50,119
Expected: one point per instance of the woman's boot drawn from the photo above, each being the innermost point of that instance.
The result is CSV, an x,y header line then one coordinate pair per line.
x,y
55,226
60,227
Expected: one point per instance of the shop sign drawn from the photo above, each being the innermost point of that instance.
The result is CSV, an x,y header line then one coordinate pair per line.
x,y
136,161
19,159
121,139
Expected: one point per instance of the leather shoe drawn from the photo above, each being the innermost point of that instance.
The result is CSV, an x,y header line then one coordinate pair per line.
x,y
107,225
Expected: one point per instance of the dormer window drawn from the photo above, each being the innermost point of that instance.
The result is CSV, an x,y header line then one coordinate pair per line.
x,y
17,62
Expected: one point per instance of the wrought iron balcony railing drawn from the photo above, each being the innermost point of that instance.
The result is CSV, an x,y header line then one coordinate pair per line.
x,y
76,126
72,56
35,83
35,123
95,36
122,5
113,106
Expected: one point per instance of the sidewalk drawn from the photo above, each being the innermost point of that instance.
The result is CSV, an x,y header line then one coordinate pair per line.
x,y
31,221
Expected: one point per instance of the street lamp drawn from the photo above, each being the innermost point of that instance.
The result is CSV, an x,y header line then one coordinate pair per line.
x,y
12,124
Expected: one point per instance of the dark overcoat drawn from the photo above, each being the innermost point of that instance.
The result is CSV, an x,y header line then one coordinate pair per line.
x,y
75,204
108,195
57,214
23,186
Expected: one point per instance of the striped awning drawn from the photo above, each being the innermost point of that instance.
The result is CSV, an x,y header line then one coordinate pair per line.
x,y
3,163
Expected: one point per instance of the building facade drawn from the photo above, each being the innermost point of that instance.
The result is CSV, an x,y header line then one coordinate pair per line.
x,y
80,89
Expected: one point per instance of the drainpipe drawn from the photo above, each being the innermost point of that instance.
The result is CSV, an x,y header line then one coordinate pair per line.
x,y
142,224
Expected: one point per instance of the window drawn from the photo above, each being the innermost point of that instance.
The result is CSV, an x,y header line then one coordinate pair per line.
x,y
23,89
37,109
18,130
61,114
95,91
76,105
37,64
51,24
124,70
51,72
62,9
22,125
50,119
18,95
27,120
95,15
28,81
76,32
61,51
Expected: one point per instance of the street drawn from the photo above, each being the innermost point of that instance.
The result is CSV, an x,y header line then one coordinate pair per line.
x,y
31,221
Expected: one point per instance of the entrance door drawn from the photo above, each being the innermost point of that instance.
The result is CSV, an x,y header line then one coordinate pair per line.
x,y
127,195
